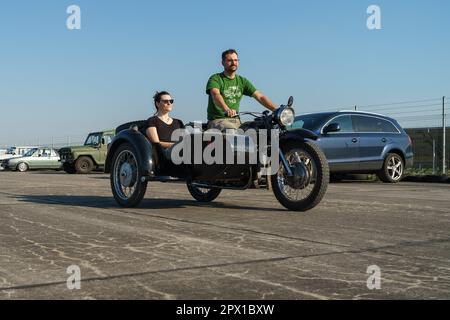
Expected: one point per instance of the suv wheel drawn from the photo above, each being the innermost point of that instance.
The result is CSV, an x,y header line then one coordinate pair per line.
x,y
392,170
84,165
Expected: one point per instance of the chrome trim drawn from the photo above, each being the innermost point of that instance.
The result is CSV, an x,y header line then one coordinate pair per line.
x,y
279,111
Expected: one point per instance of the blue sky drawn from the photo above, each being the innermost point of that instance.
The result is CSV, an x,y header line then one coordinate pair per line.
x,y
58,82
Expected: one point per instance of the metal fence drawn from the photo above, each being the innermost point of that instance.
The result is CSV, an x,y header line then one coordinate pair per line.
x,y
428,149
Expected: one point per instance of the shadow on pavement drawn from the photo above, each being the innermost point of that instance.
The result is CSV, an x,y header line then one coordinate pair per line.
x,y
105,202
42,171
58,171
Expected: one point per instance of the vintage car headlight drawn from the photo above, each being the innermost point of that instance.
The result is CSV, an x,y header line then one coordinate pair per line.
x,y
285,116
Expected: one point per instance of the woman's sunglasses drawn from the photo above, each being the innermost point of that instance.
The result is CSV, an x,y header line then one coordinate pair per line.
x,y
165,101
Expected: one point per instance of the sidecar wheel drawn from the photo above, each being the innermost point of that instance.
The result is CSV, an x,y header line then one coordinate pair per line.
x,y
306,189
126,184
203,194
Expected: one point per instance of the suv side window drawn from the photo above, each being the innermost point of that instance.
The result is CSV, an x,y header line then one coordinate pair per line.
x,y
345,123
373,124
386,126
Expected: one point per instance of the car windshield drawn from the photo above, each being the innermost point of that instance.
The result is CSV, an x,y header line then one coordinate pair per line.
x,y
93,140
310,121
30,152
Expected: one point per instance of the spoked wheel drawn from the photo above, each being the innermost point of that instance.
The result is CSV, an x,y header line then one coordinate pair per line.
x,y
392,171
203,194
307,186
126,178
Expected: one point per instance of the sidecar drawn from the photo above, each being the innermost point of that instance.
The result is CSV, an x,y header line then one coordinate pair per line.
x,y
132,161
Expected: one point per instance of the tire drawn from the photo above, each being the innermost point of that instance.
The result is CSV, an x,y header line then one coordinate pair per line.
x,y
22,167
206,195
84,165
393,168
316,173
68,168
126,173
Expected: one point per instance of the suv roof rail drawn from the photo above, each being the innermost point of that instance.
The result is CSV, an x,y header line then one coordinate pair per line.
x,y
360,111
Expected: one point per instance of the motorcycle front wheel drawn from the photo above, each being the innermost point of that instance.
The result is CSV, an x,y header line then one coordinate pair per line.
x,y
307,186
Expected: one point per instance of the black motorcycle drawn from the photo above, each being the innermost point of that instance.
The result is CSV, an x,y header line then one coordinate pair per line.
x,y
299,181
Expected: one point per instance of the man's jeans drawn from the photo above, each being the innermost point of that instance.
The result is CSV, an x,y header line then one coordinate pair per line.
x,y
224,123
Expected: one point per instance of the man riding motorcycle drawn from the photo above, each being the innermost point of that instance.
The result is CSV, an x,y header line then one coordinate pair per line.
x,y
225,91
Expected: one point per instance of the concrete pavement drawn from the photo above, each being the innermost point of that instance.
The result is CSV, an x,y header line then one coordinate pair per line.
x,y
244,245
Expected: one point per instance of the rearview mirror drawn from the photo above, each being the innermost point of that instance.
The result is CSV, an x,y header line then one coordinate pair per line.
x,y
290,101
332,127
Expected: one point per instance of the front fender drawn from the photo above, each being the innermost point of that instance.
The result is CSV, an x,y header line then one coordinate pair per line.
x,y
140,143
298,135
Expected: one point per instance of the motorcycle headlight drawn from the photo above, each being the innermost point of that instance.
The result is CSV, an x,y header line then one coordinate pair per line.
x,y
285,116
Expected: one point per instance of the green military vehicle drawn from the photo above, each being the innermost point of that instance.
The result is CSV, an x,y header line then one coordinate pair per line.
x,y
90,156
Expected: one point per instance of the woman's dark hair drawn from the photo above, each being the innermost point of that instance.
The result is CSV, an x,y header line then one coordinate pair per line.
x,y
157,97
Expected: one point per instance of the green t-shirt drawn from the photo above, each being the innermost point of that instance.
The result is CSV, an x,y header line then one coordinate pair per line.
x,y
231,90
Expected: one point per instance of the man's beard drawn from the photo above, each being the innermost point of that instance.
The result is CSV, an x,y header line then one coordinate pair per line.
x,y
232,69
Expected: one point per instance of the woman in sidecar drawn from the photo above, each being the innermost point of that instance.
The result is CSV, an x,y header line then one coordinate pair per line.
x,y
161,126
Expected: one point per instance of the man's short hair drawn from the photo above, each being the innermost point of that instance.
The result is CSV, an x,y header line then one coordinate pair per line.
x,y
227,52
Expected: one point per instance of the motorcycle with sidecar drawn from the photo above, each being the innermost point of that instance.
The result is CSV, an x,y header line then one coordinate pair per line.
x,y
299,182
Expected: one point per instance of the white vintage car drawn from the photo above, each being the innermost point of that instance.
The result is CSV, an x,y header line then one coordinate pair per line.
x,y
14,152
36,158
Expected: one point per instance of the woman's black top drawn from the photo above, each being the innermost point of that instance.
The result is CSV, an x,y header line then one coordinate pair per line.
x,y
164,130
